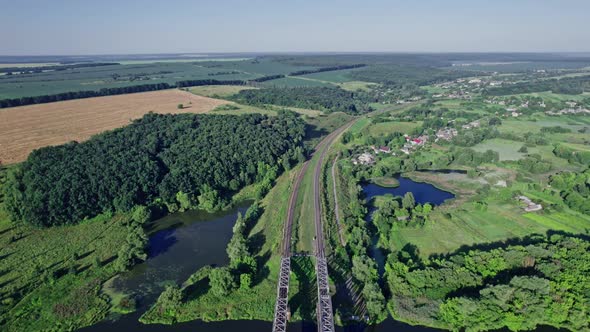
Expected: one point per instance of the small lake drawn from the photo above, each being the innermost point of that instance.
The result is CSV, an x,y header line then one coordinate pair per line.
x,y
423,192
179,244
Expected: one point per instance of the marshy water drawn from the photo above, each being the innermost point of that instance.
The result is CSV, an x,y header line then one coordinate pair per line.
x,y
181,243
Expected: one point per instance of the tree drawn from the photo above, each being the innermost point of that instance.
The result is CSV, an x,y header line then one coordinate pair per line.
x,y
375,300
221,281
237,249
184,201
208,199
408,201
170,299
426,209
495,121
523,149
180,106
245,281
141,214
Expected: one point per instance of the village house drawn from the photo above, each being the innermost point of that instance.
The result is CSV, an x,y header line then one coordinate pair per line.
x,y
446,133
385,149
472,124
364,159
530,205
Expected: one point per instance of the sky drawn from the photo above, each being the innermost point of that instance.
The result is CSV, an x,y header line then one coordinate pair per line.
x,y
72,27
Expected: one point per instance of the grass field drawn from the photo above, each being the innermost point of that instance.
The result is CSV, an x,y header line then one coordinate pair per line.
x,y
459,222
469,226
356,85
573,123
218,91
507,149
386,128
27,65
38,264
556,97
335,76
296,81
304,214
23,129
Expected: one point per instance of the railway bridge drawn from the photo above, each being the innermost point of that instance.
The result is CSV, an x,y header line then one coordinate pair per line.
x,y
325,317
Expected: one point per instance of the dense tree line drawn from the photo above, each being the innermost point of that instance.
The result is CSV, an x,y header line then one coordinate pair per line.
x,y
82,94
569,85
189,83
574,189
176,161
555,130
242,267
471,137
358,240
573,156
536,281
266,78
323,69
319,98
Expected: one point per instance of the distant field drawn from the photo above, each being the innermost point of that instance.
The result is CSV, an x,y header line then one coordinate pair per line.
x,y
296,82
23,129
555,97
220,91
336,76
356,85
521,126
138,72
27,65
507,149
137,62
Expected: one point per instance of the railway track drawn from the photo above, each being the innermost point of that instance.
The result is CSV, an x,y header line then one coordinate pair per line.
x,y
281,316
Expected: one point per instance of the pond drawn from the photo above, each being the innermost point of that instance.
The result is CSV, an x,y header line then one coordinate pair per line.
x,y
179,244
423,192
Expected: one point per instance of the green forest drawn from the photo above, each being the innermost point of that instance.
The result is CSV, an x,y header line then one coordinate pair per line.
x,y
540,280
172,161
320,98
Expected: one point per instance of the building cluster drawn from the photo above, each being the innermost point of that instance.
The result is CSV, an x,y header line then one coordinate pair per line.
x,y
381,149
471,125
413,143
569,111
530,206
446,133
364,159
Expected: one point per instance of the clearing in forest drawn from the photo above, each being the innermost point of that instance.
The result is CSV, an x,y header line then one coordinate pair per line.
x,y
26,128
